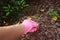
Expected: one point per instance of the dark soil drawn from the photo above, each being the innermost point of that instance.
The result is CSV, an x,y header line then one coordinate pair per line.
x,y
48,29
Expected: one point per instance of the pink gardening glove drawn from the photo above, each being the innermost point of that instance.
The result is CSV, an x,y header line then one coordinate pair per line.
x,y
29,26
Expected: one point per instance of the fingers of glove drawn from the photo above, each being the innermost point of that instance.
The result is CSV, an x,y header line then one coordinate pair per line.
x,y
33,29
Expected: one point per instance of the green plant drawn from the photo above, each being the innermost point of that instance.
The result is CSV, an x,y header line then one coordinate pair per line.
x,y
53,14
11,10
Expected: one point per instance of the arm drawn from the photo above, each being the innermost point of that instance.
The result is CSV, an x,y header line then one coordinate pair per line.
x,y
11,32
14,31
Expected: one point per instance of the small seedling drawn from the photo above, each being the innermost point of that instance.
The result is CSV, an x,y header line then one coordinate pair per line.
x,y
53,14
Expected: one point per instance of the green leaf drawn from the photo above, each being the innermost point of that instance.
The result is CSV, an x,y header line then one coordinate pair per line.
x,y
26,5
7,13
5,7
19,2
22,1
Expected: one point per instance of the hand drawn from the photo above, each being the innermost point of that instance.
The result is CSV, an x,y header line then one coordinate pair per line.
x,y
29,26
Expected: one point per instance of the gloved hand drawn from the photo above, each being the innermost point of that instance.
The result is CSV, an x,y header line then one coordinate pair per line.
x,y
29,26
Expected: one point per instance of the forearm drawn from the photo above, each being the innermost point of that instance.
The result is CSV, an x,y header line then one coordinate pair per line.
x,y
11,32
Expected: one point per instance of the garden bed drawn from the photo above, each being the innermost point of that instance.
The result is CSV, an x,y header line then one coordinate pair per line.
x,y
48,28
